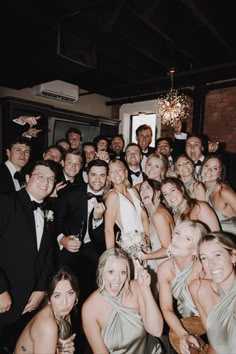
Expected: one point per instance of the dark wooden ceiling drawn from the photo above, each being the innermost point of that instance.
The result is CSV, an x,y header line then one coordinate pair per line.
x,y
117,48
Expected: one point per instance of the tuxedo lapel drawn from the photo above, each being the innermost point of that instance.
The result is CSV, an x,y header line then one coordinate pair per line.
x,y
27,209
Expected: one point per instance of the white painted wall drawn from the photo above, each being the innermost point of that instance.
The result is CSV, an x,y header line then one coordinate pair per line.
x,y
89,104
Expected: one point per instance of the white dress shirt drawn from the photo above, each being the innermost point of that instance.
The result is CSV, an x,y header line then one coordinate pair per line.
x,y
12,170
39,221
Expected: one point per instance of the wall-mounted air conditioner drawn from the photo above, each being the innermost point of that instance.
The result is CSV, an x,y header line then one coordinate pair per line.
x,y
58,90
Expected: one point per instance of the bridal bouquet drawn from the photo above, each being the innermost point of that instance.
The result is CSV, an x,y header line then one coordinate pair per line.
x,y
133,243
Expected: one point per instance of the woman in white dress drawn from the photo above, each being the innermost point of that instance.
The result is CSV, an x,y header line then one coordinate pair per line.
x,y
123,206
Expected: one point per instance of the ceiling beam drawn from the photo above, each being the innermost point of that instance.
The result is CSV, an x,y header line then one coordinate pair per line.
x,y
205,21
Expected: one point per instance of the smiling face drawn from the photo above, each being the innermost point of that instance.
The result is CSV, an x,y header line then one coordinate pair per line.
x,y
173,195
117,172
153,168
63,298
146,193
163,147
74,140
211,170
133,157
72,165
97,178
217,261
184,167
144,138
19,155
41,182
117,145
115,275
184,241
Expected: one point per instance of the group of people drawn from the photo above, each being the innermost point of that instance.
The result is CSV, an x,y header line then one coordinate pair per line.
x,y
67,218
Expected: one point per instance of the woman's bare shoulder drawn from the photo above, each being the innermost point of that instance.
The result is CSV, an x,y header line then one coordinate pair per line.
x,y
111,195
200,286
93,301
44,322
165,269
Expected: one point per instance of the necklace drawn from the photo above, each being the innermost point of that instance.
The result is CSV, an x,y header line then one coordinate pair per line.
x,y
210,190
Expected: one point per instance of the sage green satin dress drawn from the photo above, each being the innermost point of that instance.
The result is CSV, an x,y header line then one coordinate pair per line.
x,y
124,332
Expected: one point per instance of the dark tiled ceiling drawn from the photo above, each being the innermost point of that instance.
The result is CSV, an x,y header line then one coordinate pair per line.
x,y
117,48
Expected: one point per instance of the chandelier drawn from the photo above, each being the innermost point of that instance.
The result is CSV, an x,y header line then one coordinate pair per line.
x,y
173,107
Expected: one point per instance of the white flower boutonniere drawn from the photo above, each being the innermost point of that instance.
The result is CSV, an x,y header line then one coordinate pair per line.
x,y
49,215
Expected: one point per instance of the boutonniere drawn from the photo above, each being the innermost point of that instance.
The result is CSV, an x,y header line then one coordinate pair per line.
x,y
49,215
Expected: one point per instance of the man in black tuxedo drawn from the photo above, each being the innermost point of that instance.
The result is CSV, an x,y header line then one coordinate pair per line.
x,y
133,157
144,139
11,176
80,211
117,147
25,245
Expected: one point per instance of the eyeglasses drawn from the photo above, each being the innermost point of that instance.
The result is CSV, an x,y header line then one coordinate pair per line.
x,y
41,178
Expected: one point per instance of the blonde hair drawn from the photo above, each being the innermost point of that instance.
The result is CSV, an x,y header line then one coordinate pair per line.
x,y
127,183
198,228
117,253
163,166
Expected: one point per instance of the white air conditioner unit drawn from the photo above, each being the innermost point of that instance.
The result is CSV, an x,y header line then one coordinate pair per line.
x,y
58,90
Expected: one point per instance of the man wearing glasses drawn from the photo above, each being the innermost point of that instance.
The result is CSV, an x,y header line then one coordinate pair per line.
x,y
26,249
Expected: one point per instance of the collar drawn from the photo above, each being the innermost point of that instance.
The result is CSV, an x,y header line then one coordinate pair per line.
x,y
89,189
32,198
11,167
67,178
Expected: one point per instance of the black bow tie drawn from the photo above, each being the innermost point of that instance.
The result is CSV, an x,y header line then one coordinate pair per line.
x,y
19,176
137,174
36,205
69,183
198,163
145,154
98,197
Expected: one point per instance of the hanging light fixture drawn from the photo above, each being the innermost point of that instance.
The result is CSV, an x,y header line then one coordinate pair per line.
x,y
173,107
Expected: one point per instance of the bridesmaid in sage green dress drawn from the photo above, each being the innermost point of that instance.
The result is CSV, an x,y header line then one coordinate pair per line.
x,y
122,317
175,274
215,297
220,196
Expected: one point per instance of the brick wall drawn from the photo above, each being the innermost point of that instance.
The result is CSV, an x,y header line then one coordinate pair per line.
x,y
220,116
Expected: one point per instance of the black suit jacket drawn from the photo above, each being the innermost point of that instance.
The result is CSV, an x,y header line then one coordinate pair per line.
x,y
72,211
23,268
6,182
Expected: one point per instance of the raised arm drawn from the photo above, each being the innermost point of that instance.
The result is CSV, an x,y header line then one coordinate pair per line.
x,y
150,313
112,207
166,300
163,224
